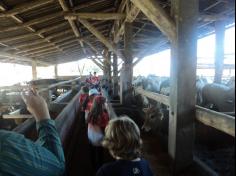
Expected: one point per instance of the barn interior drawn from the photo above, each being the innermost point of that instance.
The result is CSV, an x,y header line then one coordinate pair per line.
x,y
51,32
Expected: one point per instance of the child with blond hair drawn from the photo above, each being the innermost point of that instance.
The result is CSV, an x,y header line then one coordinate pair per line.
x,y
122,139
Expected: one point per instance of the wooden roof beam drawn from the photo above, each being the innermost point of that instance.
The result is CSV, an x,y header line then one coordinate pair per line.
x,y
131,16
42,53
33,33
30,46
95,16
88,4
32,54
13,38
120,10
36,47
97,63
154,11
95,52
25,7
45,53
99,36
211,18
18,19
21,58
71,22
161,41
32,22
94,49
49,49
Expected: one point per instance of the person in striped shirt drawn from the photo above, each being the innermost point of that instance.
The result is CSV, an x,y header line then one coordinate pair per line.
x,y
22,157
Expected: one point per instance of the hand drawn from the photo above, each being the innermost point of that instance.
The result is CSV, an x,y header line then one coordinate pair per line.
x,y
36,105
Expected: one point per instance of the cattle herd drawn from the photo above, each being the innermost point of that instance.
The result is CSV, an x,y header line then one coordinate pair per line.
x,y
217,97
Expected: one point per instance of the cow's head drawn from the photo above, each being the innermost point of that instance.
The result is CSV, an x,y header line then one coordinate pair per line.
x,y
152,119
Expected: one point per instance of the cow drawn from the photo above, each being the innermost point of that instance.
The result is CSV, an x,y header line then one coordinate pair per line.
x,y
156,119
231,82
138,81
218,97
200,83
152,119
151,83
165,87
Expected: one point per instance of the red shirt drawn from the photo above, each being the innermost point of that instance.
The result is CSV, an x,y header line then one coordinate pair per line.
x,y
102,121
94,80
89,105
82,98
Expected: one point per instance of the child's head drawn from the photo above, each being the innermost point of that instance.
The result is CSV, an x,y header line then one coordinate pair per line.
x,y
122,138
85,90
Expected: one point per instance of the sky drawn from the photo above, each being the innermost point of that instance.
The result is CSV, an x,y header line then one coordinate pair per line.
x,y
157,64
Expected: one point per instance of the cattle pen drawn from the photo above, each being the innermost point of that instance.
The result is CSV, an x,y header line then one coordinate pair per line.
x,y
42,33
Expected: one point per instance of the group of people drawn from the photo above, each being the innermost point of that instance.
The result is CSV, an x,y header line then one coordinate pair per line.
x,y
45,157
93,80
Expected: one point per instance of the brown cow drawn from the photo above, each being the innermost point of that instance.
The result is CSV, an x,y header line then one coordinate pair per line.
x,y
153,119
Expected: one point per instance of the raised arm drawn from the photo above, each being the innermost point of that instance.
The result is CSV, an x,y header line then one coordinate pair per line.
x,y
48,136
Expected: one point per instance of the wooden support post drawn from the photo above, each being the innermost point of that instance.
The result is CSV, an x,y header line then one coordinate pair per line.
x,y
219,50
126,74
183,84
115,75
107,65
34,70
56,71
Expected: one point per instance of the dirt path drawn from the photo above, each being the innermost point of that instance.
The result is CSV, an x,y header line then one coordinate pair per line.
x,y
159,159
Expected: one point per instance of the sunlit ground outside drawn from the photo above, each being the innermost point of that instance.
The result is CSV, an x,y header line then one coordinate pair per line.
x,y
157,64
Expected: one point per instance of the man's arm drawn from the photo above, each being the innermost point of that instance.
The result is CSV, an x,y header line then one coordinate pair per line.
x,y
49,138
20,156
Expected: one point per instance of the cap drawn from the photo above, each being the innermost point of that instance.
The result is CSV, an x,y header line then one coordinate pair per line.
x,y
93,92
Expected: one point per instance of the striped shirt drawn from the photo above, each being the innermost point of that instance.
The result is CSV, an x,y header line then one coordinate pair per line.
x,y
22,157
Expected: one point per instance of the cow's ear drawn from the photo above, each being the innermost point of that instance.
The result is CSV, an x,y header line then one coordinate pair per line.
x,y
145,110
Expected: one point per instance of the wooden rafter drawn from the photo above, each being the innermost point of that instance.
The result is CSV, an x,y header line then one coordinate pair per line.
x,y
99,35
131,16
93,48
36,47
97,63
120,10
154,11
32,22
88,4
161,41
40,50
31,29
63,39
15,17
25,7
95,16
45,53
10,39
71,22
21,58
